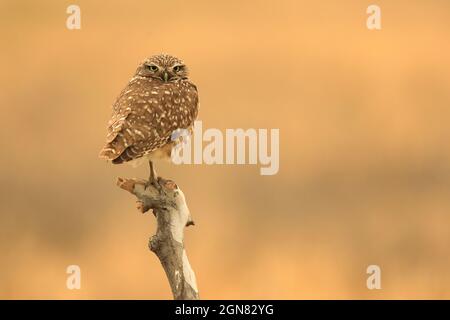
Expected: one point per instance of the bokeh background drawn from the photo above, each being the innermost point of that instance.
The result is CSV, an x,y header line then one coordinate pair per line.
x,y
364,148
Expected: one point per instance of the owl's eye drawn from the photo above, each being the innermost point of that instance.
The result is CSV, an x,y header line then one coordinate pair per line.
x,y
177,68
152,68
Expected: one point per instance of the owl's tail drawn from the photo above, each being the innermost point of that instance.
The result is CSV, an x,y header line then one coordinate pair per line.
x,y
108,153
116,157
113,150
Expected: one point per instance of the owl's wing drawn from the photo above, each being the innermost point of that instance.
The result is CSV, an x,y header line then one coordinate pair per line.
x,y
145,116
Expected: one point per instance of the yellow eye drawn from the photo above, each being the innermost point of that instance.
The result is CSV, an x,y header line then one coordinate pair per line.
x,y
152,68
177,68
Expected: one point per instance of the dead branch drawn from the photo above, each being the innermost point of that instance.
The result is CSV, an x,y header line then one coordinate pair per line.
x,y
168,204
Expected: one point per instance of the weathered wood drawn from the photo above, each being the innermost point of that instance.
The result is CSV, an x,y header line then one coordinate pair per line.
x,y
168,204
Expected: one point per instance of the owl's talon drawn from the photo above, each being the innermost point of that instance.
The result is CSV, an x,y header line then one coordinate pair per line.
x,y
154,184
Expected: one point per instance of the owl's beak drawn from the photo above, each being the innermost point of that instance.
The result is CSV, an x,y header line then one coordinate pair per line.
x,y
166,76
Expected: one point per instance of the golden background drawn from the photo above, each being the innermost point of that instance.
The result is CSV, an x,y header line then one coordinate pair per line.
x,y
364,160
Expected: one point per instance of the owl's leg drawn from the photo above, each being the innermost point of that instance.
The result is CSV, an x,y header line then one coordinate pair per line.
x,y
153,175
153,179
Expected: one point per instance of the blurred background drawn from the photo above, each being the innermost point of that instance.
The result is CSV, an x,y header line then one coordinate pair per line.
x,y
364,149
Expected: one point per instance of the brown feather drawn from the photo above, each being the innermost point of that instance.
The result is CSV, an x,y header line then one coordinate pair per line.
x,y
145,115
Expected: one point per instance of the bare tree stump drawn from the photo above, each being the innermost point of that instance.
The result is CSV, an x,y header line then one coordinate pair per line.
x,y
172,214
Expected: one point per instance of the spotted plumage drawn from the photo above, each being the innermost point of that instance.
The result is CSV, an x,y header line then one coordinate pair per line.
x,y
158,100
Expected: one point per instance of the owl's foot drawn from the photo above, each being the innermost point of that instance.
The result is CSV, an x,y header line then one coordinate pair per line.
x,y
154,184
153,179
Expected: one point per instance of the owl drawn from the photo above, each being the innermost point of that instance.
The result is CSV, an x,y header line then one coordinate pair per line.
x,y
158,101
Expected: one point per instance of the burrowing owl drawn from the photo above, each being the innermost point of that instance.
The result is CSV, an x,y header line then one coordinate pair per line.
x,y
157,101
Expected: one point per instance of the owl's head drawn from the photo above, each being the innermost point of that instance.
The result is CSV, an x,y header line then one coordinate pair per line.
x,y
163,67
